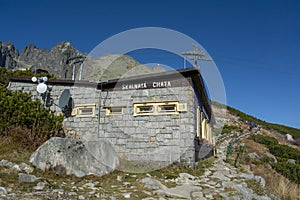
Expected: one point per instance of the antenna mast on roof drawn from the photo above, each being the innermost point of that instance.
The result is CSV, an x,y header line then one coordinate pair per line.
x,y
196,54
75,60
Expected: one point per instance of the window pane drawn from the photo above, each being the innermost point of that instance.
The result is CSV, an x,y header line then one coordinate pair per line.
x,y
86,111
115,110
167,108
145,109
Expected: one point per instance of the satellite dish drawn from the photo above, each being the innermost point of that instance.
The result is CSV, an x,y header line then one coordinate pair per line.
x,y
64,98
45,79
34,79
41,88
66,103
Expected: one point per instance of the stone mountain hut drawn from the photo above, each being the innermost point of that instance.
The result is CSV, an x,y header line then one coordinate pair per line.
x,y
156,118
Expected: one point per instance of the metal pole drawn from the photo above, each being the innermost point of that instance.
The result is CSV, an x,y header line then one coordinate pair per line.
x,y
237,156
80,72
244,149
73,74
229,152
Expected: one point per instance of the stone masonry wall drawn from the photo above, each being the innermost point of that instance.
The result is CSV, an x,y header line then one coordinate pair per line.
x,y
157,138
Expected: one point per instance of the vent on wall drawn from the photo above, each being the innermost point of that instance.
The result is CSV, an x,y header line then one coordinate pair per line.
x,y
182,107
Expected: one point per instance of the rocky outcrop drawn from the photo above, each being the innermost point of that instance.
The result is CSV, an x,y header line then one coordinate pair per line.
x,y
70,156
115,66
61,59
58,61
289,137
8,55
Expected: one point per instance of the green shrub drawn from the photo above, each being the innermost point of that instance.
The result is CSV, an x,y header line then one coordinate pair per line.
x,y
21,115
289,170
263,139
282,154
5,75
229,128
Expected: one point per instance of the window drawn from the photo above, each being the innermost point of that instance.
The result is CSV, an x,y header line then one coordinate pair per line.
x,y
145,109
167,108
158,108
114,110
84,110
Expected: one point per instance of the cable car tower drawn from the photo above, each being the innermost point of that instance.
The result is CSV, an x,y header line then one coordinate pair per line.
x,y
196,54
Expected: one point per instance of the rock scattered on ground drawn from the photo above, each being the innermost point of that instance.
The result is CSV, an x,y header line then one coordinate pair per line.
x,y
21,167
26,178
220,181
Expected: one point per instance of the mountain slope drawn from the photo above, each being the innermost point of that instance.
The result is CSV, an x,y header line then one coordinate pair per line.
x,y
256,177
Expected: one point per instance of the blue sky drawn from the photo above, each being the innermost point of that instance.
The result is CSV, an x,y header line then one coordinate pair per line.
x,y
255,44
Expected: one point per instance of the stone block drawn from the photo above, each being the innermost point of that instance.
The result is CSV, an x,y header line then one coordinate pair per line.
x,y
152,139
176,134
26,178
121,141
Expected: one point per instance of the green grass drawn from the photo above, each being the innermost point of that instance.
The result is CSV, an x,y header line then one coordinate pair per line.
x,y
13,153
255,186
174,170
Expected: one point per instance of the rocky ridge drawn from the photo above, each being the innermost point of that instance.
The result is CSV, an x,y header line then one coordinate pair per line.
x,y
63,59
8,55
58,60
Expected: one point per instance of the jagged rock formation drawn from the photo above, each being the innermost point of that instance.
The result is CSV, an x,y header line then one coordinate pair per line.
x,y
61,59
58,61
8,55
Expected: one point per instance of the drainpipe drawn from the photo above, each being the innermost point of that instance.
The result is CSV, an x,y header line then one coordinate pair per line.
x,y
99,112
73,74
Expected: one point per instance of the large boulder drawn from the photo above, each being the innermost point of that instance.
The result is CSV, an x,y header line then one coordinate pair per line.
x,y
71,156
289,137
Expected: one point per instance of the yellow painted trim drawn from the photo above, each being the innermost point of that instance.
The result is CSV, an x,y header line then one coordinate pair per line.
x,y
156,108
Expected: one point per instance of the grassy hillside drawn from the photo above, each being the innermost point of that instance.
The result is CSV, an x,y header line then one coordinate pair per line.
x,y
281,128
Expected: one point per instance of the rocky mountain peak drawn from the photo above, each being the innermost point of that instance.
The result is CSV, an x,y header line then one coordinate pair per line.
x,y
56,61
8,55
61,59
63,47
